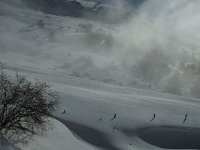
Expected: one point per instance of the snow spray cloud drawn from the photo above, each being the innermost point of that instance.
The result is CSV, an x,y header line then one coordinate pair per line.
x,y
160,45
157,48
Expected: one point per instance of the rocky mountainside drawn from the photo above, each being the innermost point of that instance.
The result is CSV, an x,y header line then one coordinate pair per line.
x,y
100,10
64,8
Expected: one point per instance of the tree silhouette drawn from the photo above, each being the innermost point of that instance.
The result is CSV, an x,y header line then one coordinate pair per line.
x,y
24,107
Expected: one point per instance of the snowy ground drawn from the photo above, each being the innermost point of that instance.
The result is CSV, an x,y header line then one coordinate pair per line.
x,y
90,106
41,53
59,137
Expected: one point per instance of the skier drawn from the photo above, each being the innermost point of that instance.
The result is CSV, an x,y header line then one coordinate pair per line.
x,y
63,112
186,115
154,116
114,117
100,118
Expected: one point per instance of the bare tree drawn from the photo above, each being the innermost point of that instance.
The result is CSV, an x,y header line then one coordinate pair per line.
x,y
24,107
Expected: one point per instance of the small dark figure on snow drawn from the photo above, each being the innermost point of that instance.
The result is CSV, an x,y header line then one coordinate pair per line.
x,y
114,117
100,118
154,116
131,144
63,112
186,115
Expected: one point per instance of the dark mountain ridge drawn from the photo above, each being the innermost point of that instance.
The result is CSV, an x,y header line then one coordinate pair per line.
x,y
73,8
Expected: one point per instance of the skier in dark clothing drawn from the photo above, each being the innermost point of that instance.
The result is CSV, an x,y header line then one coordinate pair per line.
x,y
63,112
114,117
186,115
154,116
100,118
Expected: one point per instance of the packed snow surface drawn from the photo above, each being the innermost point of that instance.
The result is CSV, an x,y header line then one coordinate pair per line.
x,y
59,137
93,67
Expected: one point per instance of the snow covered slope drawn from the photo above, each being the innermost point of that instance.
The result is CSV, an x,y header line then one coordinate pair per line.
x,y
59,137
87,63
90,107
121,54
